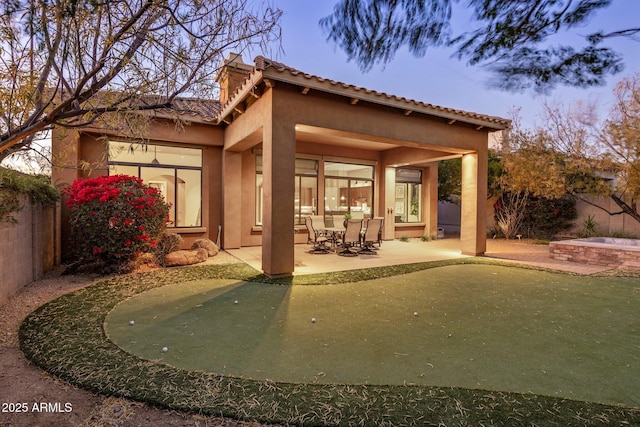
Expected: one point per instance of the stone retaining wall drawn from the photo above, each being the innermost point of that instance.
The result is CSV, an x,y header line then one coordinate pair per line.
x,y
607,255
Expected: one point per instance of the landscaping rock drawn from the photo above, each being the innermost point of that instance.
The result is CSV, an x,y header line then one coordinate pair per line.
x,y
212,248
185,257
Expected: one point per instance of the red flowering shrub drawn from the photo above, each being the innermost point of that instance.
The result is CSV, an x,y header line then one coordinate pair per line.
x,y
115,217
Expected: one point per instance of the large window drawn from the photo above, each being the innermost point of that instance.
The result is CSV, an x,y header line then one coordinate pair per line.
x,y
306,189
408,193
348,189
175,171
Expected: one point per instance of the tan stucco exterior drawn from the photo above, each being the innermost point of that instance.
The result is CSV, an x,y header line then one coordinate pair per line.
x,y
282,114
71,149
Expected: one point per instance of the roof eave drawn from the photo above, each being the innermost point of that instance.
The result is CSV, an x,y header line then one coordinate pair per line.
x,y
486,123
185,117
403,104
245,90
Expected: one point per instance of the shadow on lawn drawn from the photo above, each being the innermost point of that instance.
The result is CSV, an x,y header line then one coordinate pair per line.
x,y
66,338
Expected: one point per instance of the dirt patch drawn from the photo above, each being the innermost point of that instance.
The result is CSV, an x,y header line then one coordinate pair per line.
x,y
31,397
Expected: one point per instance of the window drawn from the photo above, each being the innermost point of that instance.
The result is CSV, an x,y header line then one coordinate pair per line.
x,y
306,189
175,171
408,206
348,189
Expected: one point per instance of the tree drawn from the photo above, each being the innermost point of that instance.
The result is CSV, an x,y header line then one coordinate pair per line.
x,y
621,137
573,154
69,63
533,217
450,178
34,159
555,158
513,37
509,212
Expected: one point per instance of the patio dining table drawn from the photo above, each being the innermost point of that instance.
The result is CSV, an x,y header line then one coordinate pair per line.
x,y
335,234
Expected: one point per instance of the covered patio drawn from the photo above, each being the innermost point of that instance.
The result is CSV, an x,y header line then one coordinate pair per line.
x,y
395,252
297,144
280,145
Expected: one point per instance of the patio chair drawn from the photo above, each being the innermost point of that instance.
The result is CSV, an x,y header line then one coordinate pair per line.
x,y
325,228
328,221
318,223
318,240
351,237
379,241
371,236
338,220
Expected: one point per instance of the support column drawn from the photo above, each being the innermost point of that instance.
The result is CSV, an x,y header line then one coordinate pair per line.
x,y
232,199
66,152
278,174
389,229
473,221
430,201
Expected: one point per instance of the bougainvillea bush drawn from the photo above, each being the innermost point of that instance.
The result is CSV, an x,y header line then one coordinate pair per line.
x,y
114,218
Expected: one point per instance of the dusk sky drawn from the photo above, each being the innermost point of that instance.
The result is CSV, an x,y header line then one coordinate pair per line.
x,y
438,78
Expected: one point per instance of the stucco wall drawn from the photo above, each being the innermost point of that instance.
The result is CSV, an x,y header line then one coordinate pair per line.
x,y
449,218
320,118
73,148
606,224
28,248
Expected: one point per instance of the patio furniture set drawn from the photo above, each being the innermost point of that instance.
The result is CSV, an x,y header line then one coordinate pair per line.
x,y
352,238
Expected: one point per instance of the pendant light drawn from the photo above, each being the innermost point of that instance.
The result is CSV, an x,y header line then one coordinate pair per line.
x,y
155,159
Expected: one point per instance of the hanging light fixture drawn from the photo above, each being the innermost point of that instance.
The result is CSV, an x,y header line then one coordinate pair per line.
x,y
155,159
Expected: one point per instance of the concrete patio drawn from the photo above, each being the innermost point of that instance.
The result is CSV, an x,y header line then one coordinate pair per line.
x,y
395,252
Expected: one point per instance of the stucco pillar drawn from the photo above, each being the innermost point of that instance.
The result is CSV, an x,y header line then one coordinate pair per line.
x,y
232,200
389,228
278,174
430,201
65,155
473,217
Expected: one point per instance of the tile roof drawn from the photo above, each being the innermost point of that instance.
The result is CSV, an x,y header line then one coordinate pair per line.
x,y
199,109
205,109
263,64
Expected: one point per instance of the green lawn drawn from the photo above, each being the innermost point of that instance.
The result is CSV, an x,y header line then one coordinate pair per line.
x,y
491,345
477,326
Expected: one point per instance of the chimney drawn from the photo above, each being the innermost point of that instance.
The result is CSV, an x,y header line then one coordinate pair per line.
x,y
231,75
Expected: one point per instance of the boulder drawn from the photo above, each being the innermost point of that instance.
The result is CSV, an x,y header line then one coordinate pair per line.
x,y
212,248
185,257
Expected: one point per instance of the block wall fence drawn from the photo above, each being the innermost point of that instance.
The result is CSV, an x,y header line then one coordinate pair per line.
x,y
28,248
31,247
449,218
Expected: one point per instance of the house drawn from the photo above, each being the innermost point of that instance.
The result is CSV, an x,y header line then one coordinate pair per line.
x,y
281,144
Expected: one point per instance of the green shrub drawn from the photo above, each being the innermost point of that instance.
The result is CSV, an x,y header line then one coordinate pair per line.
x,y
541,218
544,218
114,218
509,211
13,184
589,227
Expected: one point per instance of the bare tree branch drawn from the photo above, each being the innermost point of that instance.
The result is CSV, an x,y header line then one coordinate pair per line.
x,y
72,62
515,39
574,153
